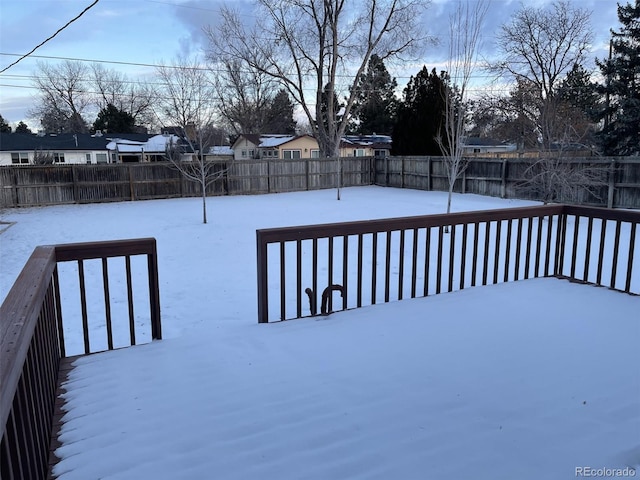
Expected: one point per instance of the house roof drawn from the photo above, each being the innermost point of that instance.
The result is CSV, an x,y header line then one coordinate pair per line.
x,y
221,150
482,142
278,140
251,137
157,143
272,141
381,142
268,140
16,142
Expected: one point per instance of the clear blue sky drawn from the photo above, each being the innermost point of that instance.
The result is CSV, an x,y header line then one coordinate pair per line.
x,y
156,31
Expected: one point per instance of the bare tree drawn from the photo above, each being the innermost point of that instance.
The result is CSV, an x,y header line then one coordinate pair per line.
x,y
244,95
321,46
64,94
115,88
540,46
465,26
554,178
186,101
43,157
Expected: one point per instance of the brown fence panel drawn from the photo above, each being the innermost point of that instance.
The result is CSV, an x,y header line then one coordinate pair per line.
x,y
159,180
288,175
323,173
102,183
37,185
248,177
616,181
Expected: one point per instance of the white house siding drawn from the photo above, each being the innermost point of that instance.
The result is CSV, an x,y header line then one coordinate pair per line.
x,y
70,157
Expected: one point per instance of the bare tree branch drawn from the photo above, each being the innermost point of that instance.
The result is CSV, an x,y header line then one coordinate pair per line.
x,y
308,45
465,25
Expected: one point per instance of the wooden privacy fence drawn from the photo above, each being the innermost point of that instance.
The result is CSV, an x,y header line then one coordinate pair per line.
x,y
32,185
617,183
32,343
370,262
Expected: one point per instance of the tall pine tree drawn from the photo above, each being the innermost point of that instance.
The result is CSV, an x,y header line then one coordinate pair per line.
x,y
420,115
112,119
279,115
621,72
374,110
4,126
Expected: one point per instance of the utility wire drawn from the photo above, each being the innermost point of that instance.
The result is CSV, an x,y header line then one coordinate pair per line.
x,y
45,41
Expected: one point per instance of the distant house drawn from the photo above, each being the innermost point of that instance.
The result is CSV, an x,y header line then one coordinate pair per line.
x,y
479,146
27,148
285,147
291,147
220,152
152,149
365,146
83,148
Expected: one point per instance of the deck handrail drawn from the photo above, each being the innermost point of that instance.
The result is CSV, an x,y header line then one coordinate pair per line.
x,y
32,345
536,243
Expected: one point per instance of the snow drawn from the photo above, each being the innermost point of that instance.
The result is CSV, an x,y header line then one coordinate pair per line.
x,y
523,380
271,141
157,143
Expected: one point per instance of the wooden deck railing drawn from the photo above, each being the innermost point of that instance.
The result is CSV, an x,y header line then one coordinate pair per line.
x,y
300,269
32,344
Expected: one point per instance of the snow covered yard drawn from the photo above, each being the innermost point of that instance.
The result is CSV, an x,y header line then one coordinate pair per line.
x,y
519,380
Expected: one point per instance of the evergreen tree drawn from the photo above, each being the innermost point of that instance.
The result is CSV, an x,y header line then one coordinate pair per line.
x,y
621,115
279,115
112,119
23,128
580,92
4,126
375,107
420,115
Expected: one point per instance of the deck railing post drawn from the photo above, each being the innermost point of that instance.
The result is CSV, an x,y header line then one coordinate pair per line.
x,y
263,300
154,293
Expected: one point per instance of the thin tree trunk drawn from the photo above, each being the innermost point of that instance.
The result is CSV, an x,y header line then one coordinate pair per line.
x,y
204,202
450,194
339,177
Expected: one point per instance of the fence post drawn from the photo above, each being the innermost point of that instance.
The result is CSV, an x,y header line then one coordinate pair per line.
x,y
306,172
14,189
268,176
131,189
503,183
429,183
372,170
402,172
464,181
74,182
386,171
612,184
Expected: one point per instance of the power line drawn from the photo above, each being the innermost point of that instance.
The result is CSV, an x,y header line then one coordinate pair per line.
x,y
46,40
178,67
